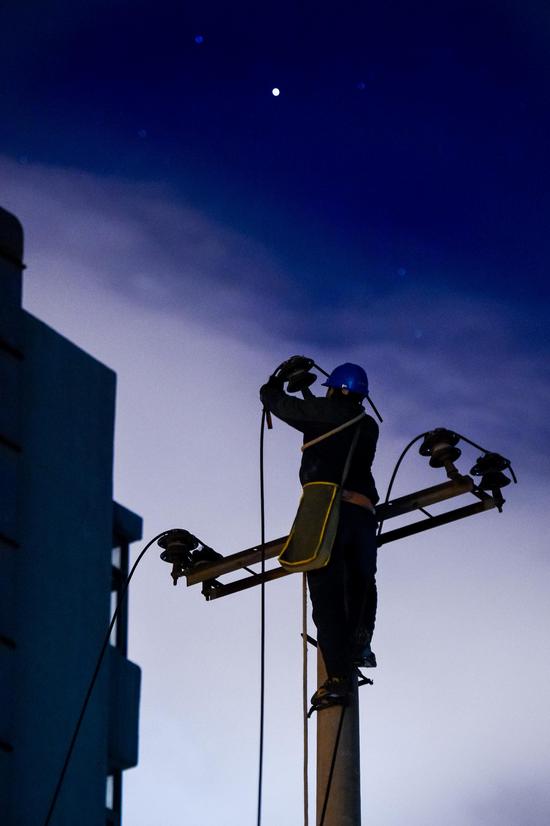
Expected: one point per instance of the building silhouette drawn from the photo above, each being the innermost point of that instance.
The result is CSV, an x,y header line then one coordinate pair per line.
x,y
64,547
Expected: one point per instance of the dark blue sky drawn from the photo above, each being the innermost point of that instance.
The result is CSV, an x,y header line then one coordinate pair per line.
x,y
390,207
414,135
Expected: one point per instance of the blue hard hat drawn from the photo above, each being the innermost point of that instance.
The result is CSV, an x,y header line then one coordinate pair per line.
x,y
350,377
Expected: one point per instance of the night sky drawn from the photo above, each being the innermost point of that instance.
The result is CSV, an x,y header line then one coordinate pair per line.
x,y
409,141
389,206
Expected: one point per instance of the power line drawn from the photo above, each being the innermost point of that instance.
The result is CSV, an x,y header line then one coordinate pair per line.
x,y
92,683
262,623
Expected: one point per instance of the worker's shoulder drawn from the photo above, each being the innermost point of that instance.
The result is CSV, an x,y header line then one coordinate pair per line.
x,y
321,407
337,411
340,411
370,425
370,422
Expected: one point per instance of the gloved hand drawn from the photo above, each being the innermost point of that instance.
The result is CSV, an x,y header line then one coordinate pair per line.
x,y
293,365
275,382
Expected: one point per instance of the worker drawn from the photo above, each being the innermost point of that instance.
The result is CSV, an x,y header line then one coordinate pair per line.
x,y
343,594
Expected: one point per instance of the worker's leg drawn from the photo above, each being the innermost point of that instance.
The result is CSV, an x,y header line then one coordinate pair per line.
x,y
361,555
327,590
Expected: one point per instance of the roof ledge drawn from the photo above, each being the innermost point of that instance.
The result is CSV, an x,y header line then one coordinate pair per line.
x,y
11,238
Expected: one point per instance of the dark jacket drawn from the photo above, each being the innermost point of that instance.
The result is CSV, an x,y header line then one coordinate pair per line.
x,y
313,416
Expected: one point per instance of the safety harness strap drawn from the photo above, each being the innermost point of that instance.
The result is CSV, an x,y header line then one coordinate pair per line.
x,y
333,432
349,456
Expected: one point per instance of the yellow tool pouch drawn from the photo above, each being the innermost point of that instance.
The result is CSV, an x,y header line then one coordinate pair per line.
x,y
309,544
313,532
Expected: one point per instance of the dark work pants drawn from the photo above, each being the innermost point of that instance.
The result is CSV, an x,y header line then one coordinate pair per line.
x,y
343,594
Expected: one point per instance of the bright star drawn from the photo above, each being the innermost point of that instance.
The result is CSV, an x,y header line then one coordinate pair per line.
x,y
276,92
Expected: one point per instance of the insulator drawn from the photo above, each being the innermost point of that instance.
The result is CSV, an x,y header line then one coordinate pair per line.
x,y
488,463
177,545
490,467
494,480
439,445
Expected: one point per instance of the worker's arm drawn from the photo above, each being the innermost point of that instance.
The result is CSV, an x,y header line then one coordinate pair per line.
x,y
295,412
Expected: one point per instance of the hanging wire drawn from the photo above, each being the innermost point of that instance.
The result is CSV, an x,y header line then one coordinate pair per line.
x,y
305,698
102,651
394,474
484,449
406,450
262,622
320,369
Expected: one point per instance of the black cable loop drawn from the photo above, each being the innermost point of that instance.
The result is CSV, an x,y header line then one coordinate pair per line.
x,y
421,436
103,649
305,718
484,449
394,474
262,621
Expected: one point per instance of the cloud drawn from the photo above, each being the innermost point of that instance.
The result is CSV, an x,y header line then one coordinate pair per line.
x,y
435,356
139,281
453,360
139,239
511,803
147,241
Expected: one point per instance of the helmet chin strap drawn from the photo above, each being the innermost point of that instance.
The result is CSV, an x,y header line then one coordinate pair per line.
x,y
370,401
320,369
346,392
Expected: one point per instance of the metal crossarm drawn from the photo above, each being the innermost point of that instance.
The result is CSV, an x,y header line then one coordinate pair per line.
x,y
425,497
235,562
209,574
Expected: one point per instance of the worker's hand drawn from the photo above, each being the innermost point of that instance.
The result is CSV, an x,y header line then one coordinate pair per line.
x,y
275,382
294,364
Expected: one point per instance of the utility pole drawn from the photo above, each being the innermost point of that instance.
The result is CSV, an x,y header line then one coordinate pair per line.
x,y
339,795
338,759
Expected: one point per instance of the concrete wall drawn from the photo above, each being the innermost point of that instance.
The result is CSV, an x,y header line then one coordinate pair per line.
x,y
56,530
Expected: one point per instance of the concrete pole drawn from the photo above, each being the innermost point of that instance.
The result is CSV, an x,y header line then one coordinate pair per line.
x,y
344,800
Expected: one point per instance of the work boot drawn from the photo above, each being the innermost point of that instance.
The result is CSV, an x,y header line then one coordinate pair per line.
x,y
333,692
205,556
364,657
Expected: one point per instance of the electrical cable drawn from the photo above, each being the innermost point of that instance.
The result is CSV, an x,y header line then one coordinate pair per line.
x,y
320,369
304,697
394,474
95,675
262,621
407,448
484,449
